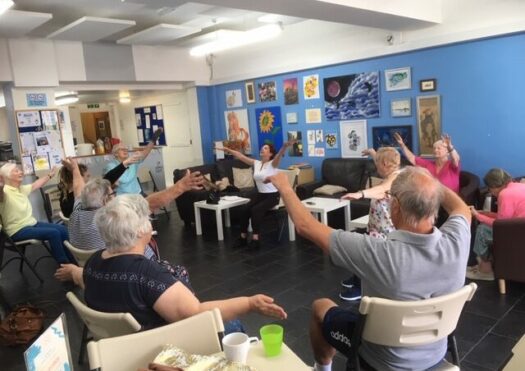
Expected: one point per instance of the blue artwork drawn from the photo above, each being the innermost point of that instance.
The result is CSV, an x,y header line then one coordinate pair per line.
x,y
384,136
269,126
352,96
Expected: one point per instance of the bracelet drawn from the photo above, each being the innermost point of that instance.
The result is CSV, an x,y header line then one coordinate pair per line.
x,y
451,150
362,194
49,176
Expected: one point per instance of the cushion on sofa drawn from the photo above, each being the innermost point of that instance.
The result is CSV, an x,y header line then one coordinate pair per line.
x,y
329,190
243,178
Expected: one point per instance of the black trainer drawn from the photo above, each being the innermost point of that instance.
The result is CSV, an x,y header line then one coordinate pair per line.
x,y
241,242
351,294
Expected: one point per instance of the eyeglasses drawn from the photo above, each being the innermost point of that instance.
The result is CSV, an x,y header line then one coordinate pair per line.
x,y
112,194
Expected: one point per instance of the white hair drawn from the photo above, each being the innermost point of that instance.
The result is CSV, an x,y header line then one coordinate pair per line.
x,y
123,221
94,193
5,170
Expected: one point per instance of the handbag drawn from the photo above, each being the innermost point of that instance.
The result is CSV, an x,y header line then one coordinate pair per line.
x,y
21,325
213,197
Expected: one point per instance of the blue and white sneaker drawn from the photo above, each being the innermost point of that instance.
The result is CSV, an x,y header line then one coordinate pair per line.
x,y
349,282
351,294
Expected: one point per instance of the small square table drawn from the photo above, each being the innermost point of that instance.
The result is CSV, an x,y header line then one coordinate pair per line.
x,y
225,203
322,206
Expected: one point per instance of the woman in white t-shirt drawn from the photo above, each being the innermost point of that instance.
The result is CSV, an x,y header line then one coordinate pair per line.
x,y
267,195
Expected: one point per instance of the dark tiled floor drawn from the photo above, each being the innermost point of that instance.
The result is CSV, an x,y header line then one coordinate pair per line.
x,y
293,273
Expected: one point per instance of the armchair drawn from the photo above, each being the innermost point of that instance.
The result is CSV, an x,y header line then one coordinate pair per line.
x,y
508,250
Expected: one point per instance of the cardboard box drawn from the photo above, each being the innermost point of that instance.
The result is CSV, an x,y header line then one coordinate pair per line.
x,y
306,175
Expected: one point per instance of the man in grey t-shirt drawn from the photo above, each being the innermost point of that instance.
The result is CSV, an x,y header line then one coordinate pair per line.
x,y
417,261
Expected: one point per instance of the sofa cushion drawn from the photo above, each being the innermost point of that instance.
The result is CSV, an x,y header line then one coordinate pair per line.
x,y
224,168
242,178
329,190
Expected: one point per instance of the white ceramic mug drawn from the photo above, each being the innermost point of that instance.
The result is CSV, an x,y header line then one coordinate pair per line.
x,y
236,346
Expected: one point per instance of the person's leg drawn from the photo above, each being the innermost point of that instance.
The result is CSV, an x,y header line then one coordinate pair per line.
x,y
50,232
246,213
266,202
323,352
482,243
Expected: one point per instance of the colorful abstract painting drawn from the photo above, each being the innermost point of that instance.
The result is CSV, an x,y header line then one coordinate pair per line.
x,y
331,140
291,94
352,96
383,136
269,126
267,91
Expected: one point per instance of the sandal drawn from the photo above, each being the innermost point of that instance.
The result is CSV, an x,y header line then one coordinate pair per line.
x,y
476,274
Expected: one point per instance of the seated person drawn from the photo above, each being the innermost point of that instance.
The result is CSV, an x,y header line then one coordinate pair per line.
x,y
17,213
416,261
121,279
511,204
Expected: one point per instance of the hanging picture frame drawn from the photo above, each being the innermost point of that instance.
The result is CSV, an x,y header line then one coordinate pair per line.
x,y
401,107
428,123
428,85
353,138
250,92
398,79
383,136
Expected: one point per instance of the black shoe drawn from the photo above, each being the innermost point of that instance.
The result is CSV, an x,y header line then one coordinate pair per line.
x,y
348,283
351,294
241,242
255,244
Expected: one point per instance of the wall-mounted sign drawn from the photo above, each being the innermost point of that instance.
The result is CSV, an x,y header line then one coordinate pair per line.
x,y
36,100
94,105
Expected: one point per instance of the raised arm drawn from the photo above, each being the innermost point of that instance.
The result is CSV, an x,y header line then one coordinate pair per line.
x,y
78,180
369,152
406,151
377,192
188,182
238,155
306,225
453,204
39,183
454,155
277,158
114,174
156,135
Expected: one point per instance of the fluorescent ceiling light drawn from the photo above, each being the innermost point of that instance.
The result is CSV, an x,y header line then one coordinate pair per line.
x,y
124,97
236,40
66,97
5,4
2,101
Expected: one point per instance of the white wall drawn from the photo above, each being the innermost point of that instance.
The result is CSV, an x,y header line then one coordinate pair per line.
x,y
174,156
5,131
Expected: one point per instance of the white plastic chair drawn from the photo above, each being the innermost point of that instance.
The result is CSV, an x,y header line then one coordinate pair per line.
x,y
81,255
199,334
410,323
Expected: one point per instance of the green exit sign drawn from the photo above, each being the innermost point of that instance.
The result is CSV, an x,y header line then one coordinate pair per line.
x,y
94,105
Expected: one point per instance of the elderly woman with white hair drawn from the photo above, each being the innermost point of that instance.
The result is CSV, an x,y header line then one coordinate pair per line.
x,y
445,167
17,213
128,183
121,279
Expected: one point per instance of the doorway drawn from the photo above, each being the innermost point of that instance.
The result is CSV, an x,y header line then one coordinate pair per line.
x,y
95,125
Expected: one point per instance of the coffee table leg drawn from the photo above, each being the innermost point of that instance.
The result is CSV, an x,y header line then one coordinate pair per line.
x,y
198,226
291,229
347,216
324,217
218,218
227,218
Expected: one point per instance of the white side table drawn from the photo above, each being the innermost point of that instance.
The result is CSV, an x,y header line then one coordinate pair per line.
x,y
322,206
361,222
225,204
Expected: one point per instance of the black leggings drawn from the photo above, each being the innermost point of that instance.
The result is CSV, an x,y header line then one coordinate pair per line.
x,y
256,208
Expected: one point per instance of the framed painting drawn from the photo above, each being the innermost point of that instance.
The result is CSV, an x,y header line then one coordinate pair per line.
x,y
250,92
353,138
290,90
238,130
401,107
428,123
398,79
351,97
428,85
383,136
267,91
233,98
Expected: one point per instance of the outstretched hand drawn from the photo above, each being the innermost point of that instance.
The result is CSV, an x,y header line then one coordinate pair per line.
x,y
133,159
279,180
447,140
70,163
352,196
368,152
265,305
398,138
224,149
191,181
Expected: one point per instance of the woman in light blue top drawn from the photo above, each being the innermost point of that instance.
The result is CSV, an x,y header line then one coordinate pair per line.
x,y
128,183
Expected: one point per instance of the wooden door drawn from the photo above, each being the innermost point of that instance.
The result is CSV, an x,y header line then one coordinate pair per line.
x,y
95,125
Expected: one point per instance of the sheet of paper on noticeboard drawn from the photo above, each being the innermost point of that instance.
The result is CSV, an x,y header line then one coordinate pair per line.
x,y
28,119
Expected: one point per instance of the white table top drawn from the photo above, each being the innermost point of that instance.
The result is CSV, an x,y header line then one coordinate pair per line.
x,y
322,204
224,203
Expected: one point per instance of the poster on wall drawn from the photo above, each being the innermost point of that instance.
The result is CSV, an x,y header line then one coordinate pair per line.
x,y
233,98
313,115
311,87
331,140
50,119
296,149
269,126
383,136
267,91
428,123
28,119
353,138
238,130
353,96
291,94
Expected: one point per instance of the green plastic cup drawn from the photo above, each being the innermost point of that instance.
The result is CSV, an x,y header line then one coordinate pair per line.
x,y
272,338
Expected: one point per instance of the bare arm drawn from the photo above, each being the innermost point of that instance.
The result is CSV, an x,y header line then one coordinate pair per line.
x,y
369,152
454,155
454,205
1,189
114,174
78,180
277,158
178,302
145,152
189,181
305,223
70,272
377,192
406,151
39,183
247,160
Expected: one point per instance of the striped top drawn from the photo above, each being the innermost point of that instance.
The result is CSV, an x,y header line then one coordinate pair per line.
x,y
83,233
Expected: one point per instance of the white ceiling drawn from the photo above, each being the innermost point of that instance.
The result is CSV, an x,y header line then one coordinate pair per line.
x,y
175,22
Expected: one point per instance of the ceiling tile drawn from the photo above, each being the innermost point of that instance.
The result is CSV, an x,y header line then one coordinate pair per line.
x,y
159,34
14,23
91,29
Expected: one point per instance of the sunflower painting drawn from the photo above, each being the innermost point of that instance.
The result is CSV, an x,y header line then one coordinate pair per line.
x,y
269,126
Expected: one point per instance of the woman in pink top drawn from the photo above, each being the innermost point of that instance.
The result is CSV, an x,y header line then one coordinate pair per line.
x,y
445,167
511,204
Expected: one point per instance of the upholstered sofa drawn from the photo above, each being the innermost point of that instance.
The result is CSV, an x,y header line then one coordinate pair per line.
x,y
216,171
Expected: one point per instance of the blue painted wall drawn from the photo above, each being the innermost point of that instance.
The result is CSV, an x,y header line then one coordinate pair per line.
x,y
481,85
